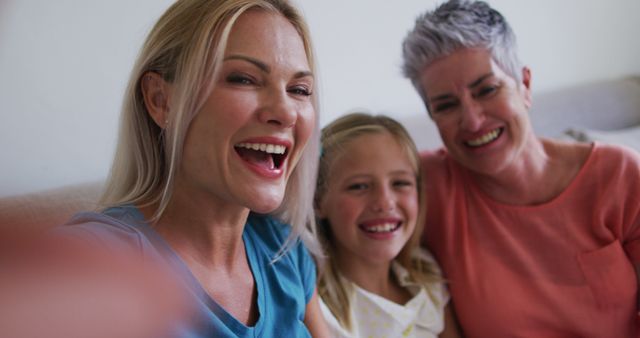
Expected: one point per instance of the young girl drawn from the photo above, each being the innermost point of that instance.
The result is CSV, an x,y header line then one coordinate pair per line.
x,y
376,280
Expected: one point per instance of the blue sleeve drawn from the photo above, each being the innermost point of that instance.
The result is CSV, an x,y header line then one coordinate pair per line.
x,y
273,235
307,267
104,232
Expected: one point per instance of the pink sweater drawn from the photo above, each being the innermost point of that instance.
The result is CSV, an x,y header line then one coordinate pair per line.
x,y
559,269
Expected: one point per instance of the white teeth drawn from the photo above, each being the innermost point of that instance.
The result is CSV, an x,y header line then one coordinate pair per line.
x,y
387,227
484,139
268,148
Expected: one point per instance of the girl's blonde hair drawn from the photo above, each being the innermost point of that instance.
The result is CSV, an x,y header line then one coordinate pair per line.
x,y
332,287
186,47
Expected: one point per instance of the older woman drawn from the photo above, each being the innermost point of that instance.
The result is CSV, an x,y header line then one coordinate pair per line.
x,y
537,238
216,120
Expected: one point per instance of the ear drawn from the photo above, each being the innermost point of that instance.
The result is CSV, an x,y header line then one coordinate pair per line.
x,y
156,93
526,86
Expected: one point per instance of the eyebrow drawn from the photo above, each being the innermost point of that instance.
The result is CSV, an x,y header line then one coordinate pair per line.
x,y
265,67
471,85
397,172
479,80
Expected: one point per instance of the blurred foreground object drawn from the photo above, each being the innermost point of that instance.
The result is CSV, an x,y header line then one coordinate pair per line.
x,y
61,287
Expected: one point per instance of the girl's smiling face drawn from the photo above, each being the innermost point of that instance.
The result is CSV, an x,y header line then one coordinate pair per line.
x,y
371,199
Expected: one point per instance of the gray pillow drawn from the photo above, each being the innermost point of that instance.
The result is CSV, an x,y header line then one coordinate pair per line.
x,y
629,137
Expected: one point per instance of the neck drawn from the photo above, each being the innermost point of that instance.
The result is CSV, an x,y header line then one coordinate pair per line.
x,y
542,171
375,277
204,231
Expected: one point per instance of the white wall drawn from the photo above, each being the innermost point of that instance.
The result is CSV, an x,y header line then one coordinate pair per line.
x,y
64,65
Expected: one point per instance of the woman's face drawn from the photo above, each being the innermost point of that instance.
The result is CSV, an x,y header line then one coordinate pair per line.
x,y
480,111
371,200
243,144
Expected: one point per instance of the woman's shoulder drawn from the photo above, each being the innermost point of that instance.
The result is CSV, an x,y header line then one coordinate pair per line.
x,y
438,163
434,157
608,162
615,155
596,160
617,168
116,227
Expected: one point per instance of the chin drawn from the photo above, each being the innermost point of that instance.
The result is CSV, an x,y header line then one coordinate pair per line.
x,y
384,255
266,204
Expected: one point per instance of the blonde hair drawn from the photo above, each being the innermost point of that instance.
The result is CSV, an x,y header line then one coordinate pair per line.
x,y
332,287
186,47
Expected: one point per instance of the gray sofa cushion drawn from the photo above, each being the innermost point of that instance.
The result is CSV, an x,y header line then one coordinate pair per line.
x,y
606,105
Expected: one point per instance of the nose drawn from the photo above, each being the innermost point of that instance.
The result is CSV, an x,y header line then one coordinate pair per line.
x,y
472,116
383,200
278,109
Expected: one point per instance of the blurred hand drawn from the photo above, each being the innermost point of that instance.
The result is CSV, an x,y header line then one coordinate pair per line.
x,y
60,287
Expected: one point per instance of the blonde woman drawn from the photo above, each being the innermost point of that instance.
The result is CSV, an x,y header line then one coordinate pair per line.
x,y
216,148
376,281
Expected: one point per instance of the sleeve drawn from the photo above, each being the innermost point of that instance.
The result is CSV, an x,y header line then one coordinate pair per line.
x,y
307,268
98,232
273,234
629,184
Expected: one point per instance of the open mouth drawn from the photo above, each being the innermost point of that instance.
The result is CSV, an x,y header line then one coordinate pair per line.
x,y
264,155
486,138
381,228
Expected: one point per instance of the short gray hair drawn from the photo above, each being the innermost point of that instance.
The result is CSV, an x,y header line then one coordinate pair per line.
x,y
454,25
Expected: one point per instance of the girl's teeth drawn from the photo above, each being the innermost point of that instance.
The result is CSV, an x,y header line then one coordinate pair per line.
x,y
268,148
387,227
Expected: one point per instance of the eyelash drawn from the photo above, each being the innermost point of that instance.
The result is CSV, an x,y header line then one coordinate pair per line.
x,y
397,184
444,106
240,79
300,90
357,186
403,183
486,91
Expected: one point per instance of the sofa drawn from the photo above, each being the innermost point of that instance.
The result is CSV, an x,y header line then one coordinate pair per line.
x,y
606,111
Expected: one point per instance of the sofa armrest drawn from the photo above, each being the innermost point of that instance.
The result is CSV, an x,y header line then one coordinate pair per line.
x,y
48,208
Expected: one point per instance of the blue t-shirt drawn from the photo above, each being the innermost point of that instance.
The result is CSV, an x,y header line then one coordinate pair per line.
x,y
284,287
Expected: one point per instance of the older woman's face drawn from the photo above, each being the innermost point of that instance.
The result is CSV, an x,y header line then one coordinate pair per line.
x,y
480,111
246,140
